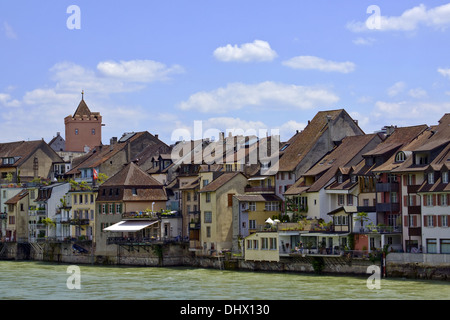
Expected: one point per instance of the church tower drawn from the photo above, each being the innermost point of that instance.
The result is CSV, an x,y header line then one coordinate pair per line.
x,y
83,128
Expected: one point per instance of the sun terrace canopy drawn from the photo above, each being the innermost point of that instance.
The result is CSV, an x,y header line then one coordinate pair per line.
x,y
129,226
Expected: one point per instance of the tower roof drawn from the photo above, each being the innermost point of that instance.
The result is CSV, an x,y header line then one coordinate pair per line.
x,y
82,110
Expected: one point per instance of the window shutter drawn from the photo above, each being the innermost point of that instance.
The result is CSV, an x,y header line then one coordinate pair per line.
x,y
106,208
434,200
406,221
414,200
405,180
438,199
439,221
425,221
99,208
405,200
230,199
434,220
114,208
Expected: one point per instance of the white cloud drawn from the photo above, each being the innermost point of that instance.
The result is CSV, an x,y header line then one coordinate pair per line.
x,y
236,96
258,51
7,101
288,129
405,113
137,70
396,89
311,62
364,41
444,72
50,104
9,31
417,93
409,20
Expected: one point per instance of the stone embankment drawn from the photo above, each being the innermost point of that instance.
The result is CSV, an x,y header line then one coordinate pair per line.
x,y
397,265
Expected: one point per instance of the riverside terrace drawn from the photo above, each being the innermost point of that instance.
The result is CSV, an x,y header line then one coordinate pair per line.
x,y
146,227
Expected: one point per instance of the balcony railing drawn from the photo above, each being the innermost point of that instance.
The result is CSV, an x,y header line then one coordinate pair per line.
x,y
366,208
378,229
143,241
79,222
388,207
260,189
387,187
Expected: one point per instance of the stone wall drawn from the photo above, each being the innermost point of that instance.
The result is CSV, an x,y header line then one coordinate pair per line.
x,y
418,266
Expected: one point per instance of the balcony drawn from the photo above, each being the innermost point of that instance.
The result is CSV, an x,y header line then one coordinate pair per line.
x,y
3,216
415,231
388,207
387,187
259,189
79,222
414,210
366,208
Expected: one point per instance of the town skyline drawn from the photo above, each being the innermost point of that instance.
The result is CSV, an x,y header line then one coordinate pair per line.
x,y
159,67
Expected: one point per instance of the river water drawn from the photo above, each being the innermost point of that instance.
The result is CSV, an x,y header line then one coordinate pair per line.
x,y
31,280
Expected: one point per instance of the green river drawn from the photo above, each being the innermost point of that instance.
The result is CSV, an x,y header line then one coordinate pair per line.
x,y
27,280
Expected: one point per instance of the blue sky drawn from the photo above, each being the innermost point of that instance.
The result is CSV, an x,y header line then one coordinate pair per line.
x,y
251,65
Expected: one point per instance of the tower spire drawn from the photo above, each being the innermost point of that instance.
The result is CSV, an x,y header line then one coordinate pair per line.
x,y
82,94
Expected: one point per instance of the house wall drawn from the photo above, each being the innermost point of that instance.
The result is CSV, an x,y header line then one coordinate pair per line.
x,y
260,254
77,142
434,232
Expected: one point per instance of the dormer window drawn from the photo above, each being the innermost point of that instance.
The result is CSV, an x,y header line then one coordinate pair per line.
x,y
400,157
431,178
445,177
340,178
9,160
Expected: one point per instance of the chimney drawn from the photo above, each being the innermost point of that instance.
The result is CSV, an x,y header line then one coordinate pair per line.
x,y
156,136
221,136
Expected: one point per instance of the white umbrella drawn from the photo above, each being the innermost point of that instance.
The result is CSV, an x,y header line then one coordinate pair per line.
x,y
269,221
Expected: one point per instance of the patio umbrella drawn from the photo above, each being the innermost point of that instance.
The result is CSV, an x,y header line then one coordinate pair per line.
x,y
270,221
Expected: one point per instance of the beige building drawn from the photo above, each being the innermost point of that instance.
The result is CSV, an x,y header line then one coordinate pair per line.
x,y
17,220
216,204
262,246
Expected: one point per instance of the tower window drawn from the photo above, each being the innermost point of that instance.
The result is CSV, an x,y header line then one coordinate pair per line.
x,y
93,132
76,131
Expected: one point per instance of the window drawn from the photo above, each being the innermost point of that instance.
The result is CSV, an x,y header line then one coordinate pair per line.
x,y
365,202
134,191
208,232
349,199
76,131
103,208
92,198
75,199
340,179
273,243
340,199
93,132
429,221
445,246
205,182
208,217
444,221
252,206
249,244
252,224
445,177
118,208
400,157
429,201
208,197
229,167
394,197
443,201
272,206
255,244
431,246
431,178
111,208
264,243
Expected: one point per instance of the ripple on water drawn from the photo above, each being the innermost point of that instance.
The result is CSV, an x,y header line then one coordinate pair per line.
x,y
37,280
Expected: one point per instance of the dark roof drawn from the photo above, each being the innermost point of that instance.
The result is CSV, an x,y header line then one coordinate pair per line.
x,y
22,194
82,110
130,177
219,181
22,150
302,142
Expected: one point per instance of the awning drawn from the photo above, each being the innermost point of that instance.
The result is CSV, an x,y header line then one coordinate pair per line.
x,y
129,226
257,178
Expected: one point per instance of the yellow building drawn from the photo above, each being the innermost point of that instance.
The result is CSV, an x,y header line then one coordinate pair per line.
x,y
81,219
262,246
